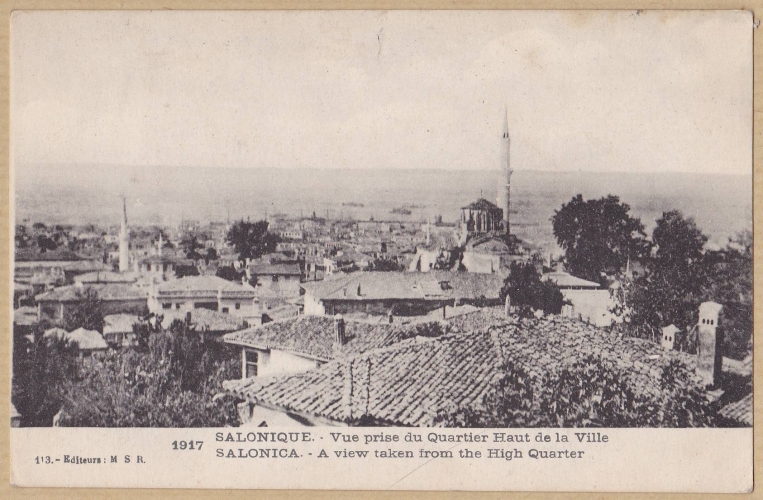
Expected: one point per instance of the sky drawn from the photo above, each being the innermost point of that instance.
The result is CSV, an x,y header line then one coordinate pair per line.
x,y
584,91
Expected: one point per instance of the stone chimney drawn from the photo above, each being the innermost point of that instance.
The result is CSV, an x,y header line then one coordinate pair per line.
x,y
710,339
669,337
339,331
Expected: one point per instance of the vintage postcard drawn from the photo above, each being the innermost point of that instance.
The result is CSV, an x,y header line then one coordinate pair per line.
x,y
420,250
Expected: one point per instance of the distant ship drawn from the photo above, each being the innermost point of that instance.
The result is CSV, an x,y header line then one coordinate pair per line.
x,y
413,205
352,204
401,211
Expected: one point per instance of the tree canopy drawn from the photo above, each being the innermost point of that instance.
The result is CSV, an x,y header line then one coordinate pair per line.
x,y
41,371
251,239
590,392
88,314
526,290
175,382
598,235
191,246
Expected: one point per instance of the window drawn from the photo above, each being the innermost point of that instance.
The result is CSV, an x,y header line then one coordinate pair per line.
x,y
177,306
225,309
238,306
167,306
252,357
275,279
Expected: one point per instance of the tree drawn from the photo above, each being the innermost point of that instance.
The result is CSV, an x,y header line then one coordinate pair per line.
x,y
41,371
598,235
45,243
382,264
229,273
526,290
88,314
21,238
676,278
211,255
182,271
591,392
190,245
678,244
251,239
177,382
731,284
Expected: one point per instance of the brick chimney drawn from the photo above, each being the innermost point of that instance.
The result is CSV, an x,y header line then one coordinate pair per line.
x,y
339,331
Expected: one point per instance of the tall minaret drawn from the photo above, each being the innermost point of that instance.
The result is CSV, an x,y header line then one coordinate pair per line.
x,y
506,171
124,241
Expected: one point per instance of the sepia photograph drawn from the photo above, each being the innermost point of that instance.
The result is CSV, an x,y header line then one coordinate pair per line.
x,y
464,219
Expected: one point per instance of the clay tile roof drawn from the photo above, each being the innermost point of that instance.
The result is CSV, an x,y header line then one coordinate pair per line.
x,y
119,323
87,340
408,382
434,285
110,291
86,266
206,320
107,277
739,411
25,316
204,284
566,280
313,336
31,255
280,269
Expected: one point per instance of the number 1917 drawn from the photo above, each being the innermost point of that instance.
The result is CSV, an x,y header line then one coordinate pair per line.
x,y
187,445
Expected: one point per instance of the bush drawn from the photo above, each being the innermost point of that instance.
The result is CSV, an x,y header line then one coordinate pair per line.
x,y
176,382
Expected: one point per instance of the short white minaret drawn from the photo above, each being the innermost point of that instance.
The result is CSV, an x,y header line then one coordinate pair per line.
x,y
124,241
506,171
159,245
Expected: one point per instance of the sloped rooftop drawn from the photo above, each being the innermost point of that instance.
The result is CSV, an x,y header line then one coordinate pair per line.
x,y
395,285
481,204
566,280
313,336
276,269
205,320
110,291
405,385
409,382
739,412
211,285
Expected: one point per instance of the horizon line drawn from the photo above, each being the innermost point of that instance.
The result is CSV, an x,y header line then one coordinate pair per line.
x,y
496,170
